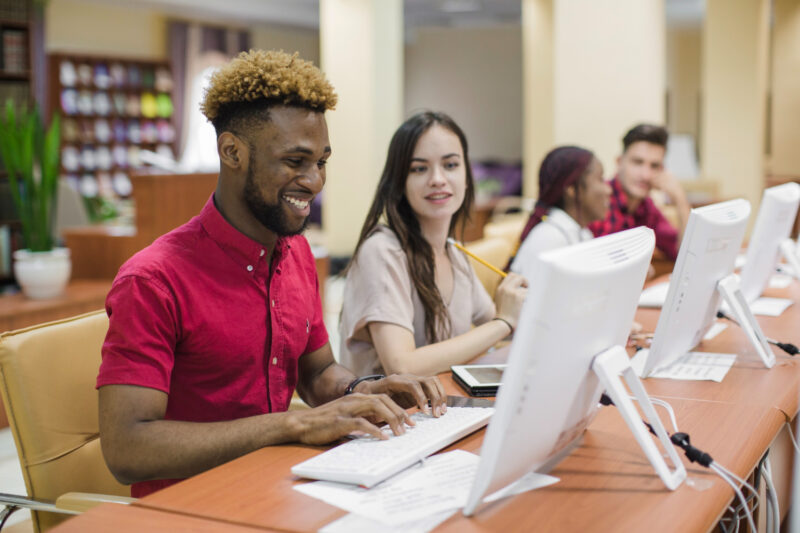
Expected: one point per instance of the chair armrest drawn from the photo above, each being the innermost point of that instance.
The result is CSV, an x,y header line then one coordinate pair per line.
x,y
78,502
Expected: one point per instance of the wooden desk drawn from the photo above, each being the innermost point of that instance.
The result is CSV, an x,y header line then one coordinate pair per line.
x,y
748,382
607,479
130,519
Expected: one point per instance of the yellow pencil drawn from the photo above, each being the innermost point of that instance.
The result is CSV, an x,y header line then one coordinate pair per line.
x,y
476,258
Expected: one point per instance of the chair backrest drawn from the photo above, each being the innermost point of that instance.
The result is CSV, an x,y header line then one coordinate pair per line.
x,y
508,228
47,380
495,251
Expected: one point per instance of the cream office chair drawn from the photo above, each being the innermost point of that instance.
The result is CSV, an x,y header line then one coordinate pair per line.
x,y
494,250
47,379
508,228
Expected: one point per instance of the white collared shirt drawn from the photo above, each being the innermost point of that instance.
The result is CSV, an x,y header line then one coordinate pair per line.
x,y
556,231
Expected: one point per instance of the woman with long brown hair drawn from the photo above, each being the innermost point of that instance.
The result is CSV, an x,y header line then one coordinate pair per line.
x,y
411,299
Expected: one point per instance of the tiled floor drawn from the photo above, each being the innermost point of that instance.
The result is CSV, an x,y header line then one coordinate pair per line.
x,y
10,473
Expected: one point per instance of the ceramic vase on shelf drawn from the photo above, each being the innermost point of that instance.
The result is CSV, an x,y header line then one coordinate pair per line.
x,y
42,275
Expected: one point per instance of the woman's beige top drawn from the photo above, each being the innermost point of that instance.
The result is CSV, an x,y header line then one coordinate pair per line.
x,y
379,289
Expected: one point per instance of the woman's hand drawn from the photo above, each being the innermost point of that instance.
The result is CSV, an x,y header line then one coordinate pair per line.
x,y
509,298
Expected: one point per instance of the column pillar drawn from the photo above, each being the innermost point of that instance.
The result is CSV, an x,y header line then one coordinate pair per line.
x,y
734,64
592,70
361,53
785,135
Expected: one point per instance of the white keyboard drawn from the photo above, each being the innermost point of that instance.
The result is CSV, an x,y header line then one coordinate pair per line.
x,y
367,461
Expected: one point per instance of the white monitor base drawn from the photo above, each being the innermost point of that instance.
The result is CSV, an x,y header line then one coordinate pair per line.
x,y
731,291
611,367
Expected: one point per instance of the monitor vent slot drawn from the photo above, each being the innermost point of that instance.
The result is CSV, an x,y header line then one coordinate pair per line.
x,y
617,256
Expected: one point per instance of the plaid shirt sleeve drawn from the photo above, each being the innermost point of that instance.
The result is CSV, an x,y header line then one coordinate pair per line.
x,y
666,234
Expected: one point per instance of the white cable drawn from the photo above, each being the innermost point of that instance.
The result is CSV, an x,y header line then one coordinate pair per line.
x,y
772,497
665,405
722,474
791,436
737,478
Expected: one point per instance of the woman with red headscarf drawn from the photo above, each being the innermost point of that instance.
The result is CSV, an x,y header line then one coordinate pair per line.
x,y
572,193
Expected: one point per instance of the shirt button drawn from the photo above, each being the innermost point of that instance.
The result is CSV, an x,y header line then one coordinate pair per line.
x,y
273,303
274,360
249,268
261,253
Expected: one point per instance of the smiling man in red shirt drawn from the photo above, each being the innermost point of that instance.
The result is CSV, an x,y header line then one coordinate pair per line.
x,y
640,169
214,325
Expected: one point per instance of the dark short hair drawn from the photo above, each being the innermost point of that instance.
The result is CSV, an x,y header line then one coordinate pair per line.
x,y
648,133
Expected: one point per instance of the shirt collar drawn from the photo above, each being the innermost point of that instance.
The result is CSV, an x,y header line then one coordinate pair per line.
x,y
567,224
619,193
249,254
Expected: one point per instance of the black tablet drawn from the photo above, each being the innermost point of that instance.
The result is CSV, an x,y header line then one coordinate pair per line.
x,y
478,380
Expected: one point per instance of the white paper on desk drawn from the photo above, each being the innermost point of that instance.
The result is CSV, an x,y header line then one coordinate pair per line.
x,y
353,523
770,306
442,483
779,281
695,366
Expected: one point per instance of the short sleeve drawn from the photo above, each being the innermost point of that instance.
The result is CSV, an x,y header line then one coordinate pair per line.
x,y
139,348
378,287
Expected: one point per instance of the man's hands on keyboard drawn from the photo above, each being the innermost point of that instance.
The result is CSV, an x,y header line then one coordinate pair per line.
x,y
410,391
371,406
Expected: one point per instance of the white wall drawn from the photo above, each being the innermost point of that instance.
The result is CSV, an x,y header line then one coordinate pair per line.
x,y
474,75
306,42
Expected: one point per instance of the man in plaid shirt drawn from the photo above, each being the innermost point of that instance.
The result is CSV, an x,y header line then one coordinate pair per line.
x,y
640,169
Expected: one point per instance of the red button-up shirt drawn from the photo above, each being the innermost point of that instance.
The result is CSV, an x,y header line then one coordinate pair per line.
x,y
646,214
202,316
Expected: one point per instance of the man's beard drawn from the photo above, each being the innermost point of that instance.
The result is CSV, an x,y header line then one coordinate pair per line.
x,y
272,216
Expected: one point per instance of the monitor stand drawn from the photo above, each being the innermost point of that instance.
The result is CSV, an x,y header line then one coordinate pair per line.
x,y
790,252
611,367
731,292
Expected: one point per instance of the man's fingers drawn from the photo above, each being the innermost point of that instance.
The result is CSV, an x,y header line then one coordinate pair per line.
x,y
396,417
379,407
413,387
361,425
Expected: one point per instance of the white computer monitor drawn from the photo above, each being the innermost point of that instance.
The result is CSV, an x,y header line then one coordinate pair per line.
x,y
702,275
579,308
771,239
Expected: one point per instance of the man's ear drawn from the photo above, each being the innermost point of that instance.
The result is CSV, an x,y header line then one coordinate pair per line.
x,y
233,152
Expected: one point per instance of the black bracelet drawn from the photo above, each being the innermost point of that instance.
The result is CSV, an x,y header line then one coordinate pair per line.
x,y
510,327
373,377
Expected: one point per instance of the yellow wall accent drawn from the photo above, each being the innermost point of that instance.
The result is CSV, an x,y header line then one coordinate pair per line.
x,y
609,72
361,44
734,76
683,79
537,69
786,89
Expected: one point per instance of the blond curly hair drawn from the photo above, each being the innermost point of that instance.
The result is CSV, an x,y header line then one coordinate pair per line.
x,y
265,78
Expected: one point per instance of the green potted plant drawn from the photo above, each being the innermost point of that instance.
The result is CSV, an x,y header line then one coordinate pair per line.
x,y
30,155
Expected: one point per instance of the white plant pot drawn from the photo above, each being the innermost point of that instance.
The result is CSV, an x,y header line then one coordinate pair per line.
x,y
42,274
